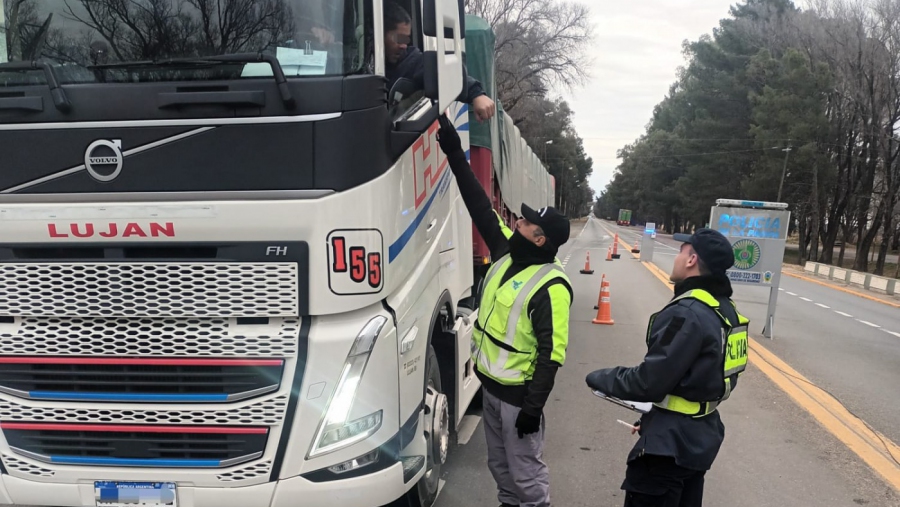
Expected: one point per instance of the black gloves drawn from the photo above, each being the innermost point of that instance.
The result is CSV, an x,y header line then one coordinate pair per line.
x,y
447,136
526,424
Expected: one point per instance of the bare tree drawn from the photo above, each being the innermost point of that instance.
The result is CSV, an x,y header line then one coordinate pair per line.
x,y
234,25
539,44
22,28
152,29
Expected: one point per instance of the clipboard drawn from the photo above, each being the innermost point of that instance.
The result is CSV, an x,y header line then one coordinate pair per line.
x,y
636,406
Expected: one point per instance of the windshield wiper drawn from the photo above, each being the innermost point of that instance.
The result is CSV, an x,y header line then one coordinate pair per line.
x,y
59,96
273,62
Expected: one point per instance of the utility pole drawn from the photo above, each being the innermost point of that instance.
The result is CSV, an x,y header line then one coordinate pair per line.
x,y
787,153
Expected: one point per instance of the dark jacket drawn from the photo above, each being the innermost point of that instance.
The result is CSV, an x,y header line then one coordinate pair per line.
x,y
412,66
684,358
533,395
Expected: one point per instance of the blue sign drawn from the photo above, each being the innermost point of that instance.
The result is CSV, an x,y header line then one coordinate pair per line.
x,y
750,225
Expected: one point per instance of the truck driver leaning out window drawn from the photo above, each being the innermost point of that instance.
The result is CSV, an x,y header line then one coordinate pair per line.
x,y
404,60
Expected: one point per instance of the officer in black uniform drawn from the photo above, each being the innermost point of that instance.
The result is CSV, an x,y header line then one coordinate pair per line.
x,y
696,348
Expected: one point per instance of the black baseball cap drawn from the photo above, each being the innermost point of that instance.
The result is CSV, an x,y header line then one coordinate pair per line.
x,y
712,247
554,224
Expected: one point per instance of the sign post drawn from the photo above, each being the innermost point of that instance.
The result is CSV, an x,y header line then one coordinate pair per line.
x,y
758,233
647,241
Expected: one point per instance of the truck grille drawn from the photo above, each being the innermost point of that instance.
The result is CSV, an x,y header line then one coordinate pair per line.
x,y
138,379
145,289
150,363
265,412
107,336
160,446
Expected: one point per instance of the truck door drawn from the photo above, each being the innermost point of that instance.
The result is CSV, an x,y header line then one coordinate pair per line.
x,y
444,31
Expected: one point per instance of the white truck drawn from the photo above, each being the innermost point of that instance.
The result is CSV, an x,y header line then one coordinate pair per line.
x,y
231,272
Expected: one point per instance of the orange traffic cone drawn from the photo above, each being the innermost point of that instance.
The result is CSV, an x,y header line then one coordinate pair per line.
x,y
604,313
636,249
615,252
602,281
609,254
587,265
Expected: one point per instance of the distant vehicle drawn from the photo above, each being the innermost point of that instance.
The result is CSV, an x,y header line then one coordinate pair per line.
x,y
624,217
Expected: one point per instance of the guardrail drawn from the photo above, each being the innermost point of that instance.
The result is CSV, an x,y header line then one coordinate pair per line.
x,y
867,281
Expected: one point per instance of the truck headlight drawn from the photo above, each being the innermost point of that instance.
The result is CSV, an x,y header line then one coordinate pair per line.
x,y
334,430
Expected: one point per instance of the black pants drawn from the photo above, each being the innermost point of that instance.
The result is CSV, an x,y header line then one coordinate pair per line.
x,y
657,481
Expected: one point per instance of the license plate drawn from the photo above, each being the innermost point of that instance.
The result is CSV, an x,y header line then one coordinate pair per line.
x,y
132,494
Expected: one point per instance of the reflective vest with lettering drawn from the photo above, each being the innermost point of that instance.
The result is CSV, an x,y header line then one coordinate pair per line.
x,y
734,354
504,346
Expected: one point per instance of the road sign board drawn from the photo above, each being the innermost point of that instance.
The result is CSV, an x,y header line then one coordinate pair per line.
x,y
758,232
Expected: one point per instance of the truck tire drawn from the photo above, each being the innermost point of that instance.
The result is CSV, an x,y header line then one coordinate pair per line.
x,y
437,435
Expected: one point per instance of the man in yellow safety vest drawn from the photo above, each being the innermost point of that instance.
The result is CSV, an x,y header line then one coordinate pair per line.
x,y
696,349
521,333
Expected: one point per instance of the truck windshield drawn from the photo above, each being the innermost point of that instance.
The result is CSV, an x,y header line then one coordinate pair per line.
x,y
90,41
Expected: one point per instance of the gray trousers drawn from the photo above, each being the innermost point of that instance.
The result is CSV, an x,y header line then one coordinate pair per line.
x,y
516,463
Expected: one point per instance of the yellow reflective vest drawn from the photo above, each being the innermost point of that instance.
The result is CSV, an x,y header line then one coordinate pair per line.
x,y
504,346
734,356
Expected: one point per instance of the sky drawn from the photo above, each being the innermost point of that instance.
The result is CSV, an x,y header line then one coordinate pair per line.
x,y
636,52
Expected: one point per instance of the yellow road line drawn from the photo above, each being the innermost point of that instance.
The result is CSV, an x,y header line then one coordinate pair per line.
x,y
842,289
876,450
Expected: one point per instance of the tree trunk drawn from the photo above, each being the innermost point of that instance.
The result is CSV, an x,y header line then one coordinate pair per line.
x,y
801,247
13,31
845,238
814,218
866,242
828,240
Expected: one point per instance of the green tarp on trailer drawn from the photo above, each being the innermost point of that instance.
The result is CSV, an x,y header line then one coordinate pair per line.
x,y
480,65
519,172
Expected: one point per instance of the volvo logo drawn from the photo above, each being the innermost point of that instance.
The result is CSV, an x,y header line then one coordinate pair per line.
x,y
103,159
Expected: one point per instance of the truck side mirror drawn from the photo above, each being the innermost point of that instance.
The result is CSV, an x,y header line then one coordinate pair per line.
x,y
402,89
443,63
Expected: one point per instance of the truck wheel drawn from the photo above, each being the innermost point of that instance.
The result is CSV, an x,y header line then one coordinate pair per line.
x,y
437,435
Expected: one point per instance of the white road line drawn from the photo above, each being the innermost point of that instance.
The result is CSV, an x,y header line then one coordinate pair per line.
x,y
791,294
891,332
806,299
780,289
842,313
667,246
823,306
467,428
867,323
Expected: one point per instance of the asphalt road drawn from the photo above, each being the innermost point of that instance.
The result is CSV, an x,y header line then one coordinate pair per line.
x,y
774,453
